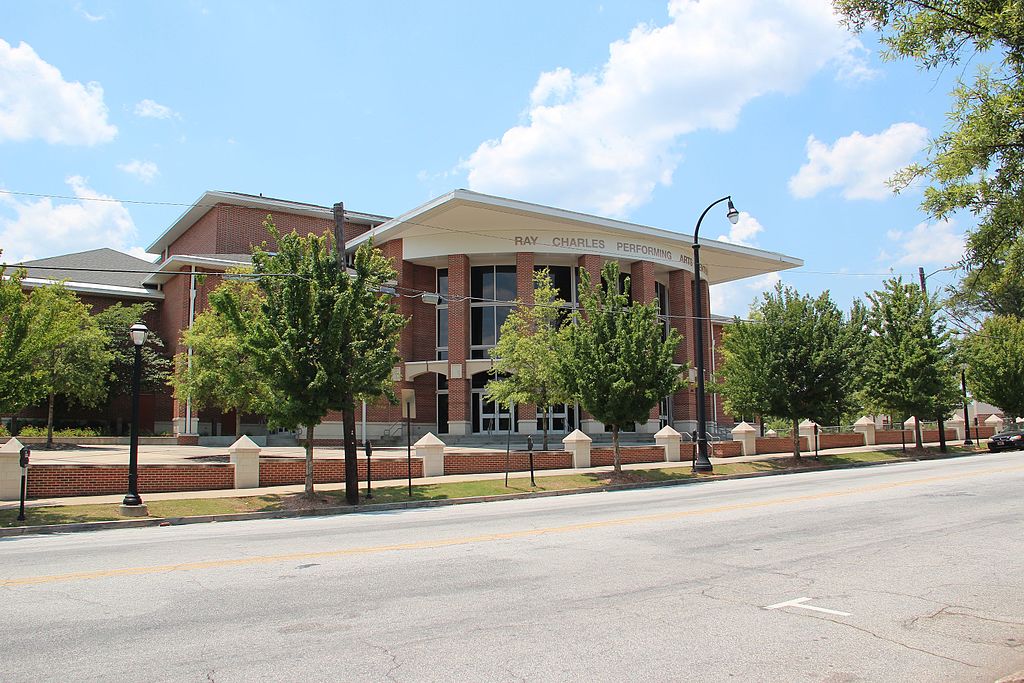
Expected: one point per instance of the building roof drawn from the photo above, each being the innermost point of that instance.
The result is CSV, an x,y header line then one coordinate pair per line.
x,y
463,220
97,271
212,198
178,263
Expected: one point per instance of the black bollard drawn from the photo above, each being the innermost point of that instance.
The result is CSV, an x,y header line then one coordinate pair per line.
x,y
369,476
23,456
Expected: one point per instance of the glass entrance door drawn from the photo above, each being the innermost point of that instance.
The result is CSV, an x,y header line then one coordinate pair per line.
x,y
561,418
490,417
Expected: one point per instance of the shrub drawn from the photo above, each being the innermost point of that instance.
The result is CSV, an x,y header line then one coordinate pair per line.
x,y
31,430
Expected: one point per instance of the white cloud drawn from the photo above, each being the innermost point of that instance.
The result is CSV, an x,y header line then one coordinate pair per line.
x,y
735,298
858,164
145,171
87,15
36,102
925,244
744,232
604,141
140,252
40,228
154,110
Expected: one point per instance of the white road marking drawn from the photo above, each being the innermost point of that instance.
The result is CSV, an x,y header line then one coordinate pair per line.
x,y
799,602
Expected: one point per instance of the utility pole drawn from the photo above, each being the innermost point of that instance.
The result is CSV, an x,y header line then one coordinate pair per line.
x,y
942,426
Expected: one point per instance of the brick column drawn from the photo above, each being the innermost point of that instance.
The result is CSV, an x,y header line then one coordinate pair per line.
x,y
705,296
527,418
185,429
641,290
460,413
591,263
331,426
680,294
641,281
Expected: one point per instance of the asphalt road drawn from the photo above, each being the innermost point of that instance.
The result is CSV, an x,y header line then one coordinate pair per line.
x,y
918,566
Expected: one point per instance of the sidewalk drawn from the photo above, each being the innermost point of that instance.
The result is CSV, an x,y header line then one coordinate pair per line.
x,y
298,488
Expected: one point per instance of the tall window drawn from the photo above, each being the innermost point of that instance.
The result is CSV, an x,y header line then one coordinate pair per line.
x,y
565,280
442,314
661,295
488,286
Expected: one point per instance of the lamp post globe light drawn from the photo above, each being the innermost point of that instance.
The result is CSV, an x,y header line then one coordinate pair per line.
x,y
132,504
701,462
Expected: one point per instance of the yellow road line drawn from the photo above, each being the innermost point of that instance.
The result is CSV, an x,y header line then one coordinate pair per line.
x,y
483,538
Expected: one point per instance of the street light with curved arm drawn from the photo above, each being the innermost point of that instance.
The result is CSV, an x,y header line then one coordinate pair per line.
x,y
702,462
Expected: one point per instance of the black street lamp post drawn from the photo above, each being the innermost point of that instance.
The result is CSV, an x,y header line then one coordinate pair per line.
x,y
702,463
967,417
132,503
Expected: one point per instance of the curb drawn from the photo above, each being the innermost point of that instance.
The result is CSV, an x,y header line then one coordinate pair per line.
x,y
414,504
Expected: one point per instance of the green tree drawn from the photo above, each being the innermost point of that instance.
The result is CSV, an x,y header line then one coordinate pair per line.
x,y
741,377
909,367
617,364
995,364
74,358
794,359
221,372
325,340
115,322
529,353
20,346
977,162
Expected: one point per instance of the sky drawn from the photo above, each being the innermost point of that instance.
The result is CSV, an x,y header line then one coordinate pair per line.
x,y
641,110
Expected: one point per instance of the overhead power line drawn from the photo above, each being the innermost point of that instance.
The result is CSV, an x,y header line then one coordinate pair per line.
x,y
594,230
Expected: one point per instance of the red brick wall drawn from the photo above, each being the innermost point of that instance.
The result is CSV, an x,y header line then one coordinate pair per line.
x,y
888,436
602,455
89,480
239,228
641,281
727,449
709,408
840,440
930,435
985,432
680,303
458,338
774,444
592,265
228,229
279,472
494,461
200,238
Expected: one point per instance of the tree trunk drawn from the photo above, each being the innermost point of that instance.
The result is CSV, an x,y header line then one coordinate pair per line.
x,y
796,438
348,421
615,448
49,423
917,433
309,461
351,456
238,423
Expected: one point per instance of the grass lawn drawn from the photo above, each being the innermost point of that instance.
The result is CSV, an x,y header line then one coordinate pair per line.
x,y
517,483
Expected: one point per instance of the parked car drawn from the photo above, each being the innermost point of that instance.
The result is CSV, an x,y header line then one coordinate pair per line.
x,y
1011,439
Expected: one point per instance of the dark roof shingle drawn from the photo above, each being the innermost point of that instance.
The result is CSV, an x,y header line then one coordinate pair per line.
x,y
96,266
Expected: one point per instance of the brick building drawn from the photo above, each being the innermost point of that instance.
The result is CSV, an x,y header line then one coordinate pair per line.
x,y
478,252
